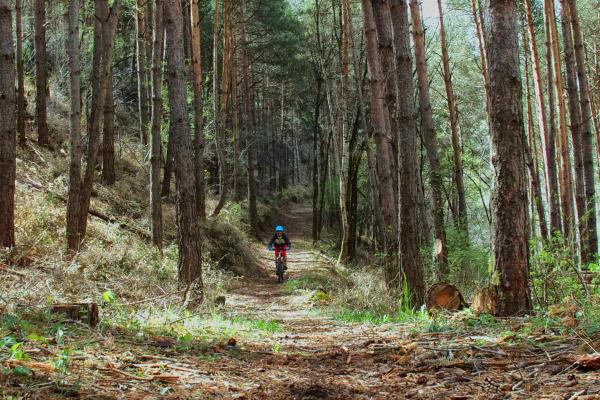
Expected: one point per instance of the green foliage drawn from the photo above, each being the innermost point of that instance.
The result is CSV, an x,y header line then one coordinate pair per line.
x,y
16,352
109,297
553,272
62,362
468,262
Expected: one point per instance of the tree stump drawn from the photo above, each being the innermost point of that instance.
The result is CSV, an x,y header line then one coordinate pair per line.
x,y
484,301
444,296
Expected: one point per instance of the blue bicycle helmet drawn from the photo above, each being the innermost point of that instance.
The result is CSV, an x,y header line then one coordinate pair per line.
x,y
279,228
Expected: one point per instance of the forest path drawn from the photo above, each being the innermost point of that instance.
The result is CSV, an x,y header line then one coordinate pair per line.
x,y
310,356
313,356
274,343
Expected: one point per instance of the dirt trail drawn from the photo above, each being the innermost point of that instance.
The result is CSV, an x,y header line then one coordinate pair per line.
x,y
316,357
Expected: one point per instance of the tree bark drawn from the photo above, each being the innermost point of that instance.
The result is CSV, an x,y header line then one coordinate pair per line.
x,y
344,134
199,141
566,181
385,37
108,139
315,167
250,124
548,135
235,121
157,110
140,51
408,166
550,150
189,267
215,71
21,111
431,142
8,132
73,201
372,169
509,209
166,183
587,146
222,109
454,129
576,135
536,192
105,25
385,160
41,73
477,13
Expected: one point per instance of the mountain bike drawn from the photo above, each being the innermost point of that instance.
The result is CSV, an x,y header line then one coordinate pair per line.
x,y
279,268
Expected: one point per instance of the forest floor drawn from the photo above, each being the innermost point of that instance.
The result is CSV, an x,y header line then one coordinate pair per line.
x,y
296,351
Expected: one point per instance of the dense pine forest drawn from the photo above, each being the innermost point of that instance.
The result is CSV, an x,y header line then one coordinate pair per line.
x,y
434,165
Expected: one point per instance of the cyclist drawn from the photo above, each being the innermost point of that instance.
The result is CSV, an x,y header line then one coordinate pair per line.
x,y
280,243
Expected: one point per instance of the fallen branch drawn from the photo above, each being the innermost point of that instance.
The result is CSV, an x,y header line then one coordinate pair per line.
x,y
4,268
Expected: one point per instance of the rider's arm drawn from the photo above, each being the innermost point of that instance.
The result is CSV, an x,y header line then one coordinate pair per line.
x,y
272,241
287,241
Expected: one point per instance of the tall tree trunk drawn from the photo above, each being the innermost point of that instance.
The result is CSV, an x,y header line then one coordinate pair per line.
x,y
324,167
385,37
372,169
532,165
550,149
199,141
315,160
408,165
250,127
157,110
431,142
73,200
586,135
105,25
250,124
190,272
477,13
166,183
108,142
548,135
235,122
382,135
336,122
215,72
576,134
509,209
140,51
566,181
21,111
344,134
454,129
8,132
222,112
41,73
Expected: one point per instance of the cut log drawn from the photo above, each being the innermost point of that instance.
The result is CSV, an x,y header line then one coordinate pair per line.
x,y
484,301
444,296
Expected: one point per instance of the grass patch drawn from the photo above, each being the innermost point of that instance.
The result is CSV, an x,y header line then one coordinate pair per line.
x,y
313,280
421,321
259,325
